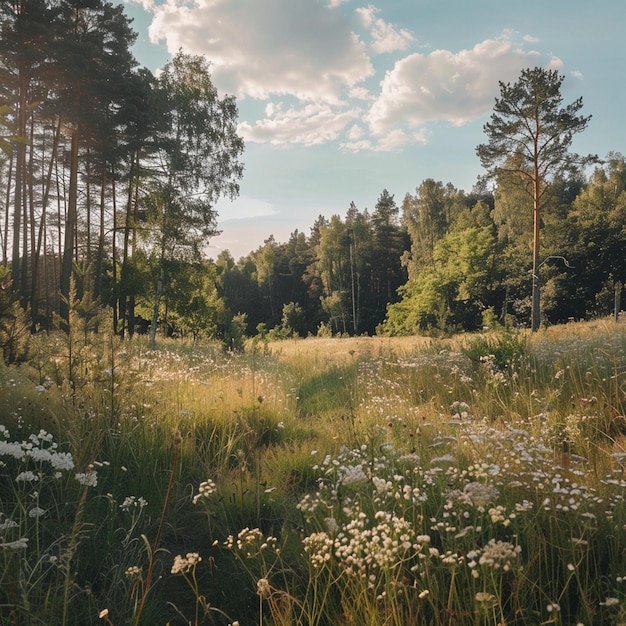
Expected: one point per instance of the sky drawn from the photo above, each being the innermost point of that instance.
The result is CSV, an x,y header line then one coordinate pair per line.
x,y
341,99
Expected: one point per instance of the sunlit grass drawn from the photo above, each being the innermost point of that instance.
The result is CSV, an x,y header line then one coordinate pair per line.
x,y
476,480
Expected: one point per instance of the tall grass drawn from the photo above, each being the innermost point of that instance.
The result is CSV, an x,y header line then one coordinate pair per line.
x,y
363,481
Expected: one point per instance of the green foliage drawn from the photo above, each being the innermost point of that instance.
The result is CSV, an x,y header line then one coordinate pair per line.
x,y
504,349
450,293
14,322
235,333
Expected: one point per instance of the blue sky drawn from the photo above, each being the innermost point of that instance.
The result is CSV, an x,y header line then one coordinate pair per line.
x,y
340,99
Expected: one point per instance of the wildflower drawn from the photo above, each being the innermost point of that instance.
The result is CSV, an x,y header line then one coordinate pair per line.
x,y
19,544
263,587
481,494
353,475
206,489
133,502
104,613
484,596
553,607
182,564
9,523
498,554
36,511
610,602
87,479
319,547
446,458
27,477
423,594
133,572
331,524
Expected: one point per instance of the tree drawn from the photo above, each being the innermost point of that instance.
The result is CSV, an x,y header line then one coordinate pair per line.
x,y
93,54
390,241
427,217
197,163
451,293
530,133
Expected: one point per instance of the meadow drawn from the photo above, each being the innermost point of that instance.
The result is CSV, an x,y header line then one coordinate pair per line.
x,y
476,480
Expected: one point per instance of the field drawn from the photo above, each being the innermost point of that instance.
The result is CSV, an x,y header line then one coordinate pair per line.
x,y
347,482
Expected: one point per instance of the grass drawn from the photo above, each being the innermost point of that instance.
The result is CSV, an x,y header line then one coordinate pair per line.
x,y
365,481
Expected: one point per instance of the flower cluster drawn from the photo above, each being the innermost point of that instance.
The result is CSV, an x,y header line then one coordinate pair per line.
x,y
206,489
496,555
250,542
39,447
183,564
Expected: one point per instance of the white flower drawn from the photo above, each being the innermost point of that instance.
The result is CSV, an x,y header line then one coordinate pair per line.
x,y
132,501
182,564
89,479
263,587
27,477
206,489
36,511
19,544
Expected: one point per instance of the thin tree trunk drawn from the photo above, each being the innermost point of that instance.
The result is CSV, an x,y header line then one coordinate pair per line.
x,y
20,160
41,236
157,301
70,231
101,240
124,271
7,213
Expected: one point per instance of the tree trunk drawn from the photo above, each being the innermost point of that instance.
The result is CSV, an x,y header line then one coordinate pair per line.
x,y
20,162
536,301
7,213
70,230
157,301
100,253
125,253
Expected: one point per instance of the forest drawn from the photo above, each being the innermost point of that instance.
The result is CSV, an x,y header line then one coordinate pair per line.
x,y
110,177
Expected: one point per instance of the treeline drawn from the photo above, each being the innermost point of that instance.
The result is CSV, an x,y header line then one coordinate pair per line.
x,y
109,177
444,261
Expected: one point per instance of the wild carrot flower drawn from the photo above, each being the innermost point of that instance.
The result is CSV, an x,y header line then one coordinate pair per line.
x,y
87,479
182,564
206,489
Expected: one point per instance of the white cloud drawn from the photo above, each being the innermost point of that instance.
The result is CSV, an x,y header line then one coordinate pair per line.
x,y
360,93
446,86
309,125
355,132
555,64
385,37
269,47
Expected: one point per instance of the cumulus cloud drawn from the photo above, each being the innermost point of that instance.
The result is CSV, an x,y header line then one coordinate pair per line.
x,y
274,47
385,36
311,61
309,125
446,86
